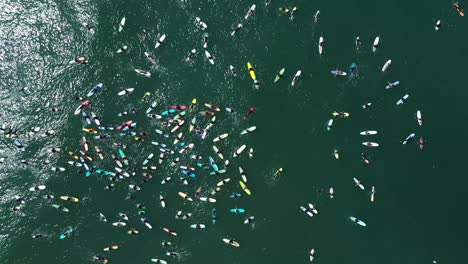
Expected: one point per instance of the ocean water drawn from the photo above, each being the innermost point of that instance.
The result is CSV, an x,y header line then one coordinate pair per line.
x,y
417,216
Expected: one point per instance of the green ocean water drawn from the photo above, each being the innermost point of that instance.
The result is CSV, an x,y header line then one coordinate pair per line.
x,y
418,215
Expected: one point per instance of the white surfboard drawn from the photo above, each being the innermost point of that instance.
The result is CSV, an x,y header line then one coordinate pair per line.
x,y
312,207
386,65
231,242
311,255
242,174
248,130
358,183
320,46
122,24
198,226
376,43
305,210
119,224
239,150
370,144
296,77
202,25
159,261
209,57
160,41
126,91
250,12
419,116
185,196
368,133
38,188
221,183
437,25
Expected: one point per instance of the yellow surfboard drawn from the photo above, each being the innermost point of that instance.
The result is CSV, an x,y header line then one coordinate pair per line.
x,y
244,187
251,71
65,198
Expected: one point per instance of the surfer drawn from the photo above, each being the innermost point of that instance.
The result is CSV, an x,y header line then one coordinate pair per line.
x,y
293,12
249,220
205,40
35,236
89,28
101,259
367,105
251,111
421,143
279,171
358,42
236,29
364,158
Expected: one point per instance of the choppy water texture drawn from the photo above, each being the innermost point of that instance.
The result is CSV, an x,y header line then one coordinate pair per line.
x,y
418,213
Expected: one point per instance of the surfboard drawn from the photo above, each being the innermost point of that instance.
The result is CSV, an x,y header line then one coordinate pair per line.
x,y
368,133
126,91
122,24
408,138
338,73
419,117
172,232
212,107
392,84
370,144
279,75
250,12
160,41
248,130
61,208
329,124
244,187
209,57
237,210
296,77
386,65
320,45
251,71
357,221
221,183
38,188
96,89
312,207
159,261
358,183
185,196
231,242
402,100
376,43
65,198
239,150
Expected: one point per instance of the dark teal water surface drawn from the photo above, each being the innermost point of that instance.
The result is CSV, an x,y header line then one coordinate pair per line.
x,y
418,215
